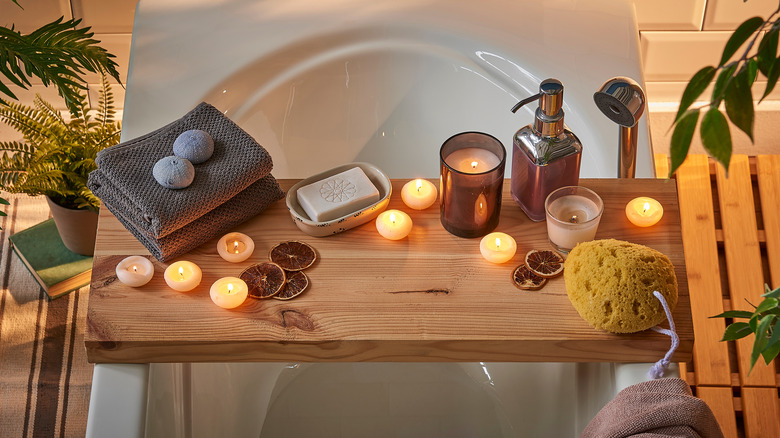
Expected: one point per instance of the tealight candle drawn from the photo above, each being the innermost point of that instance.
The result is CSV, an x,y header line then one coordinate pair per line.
x,y
183,276
228,292
644,211
135,271
393,224
419,194
235,247
498,247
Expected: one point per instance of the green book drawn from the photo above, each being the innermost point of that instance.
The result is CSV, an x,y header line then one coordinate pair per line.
x,y
55,267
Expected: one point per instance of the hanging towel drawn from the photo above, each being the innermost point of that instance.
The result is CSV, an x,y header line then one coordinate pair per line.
x,y
124,177
658,408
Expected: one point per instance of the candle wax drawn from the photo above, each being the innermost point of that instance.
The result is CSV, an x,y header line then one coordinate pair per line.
x,y
235,247
135,271
574,222
498,247
419,194
183,276
228,292
472,160
644,211
393,224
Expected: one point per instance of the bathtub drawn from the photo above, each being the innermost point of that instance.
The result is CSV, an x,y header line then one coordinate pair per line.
x,y
321,83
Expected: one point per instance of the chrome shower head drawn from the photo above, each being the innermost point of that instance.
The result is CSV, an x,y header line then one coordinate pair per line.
x,y
622,100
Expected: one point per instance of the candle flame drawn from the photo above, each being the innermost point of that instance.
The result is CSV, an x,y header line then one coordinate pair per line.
x,y
574,219
230,288
392,217
419,184
498,243
235,246
645,207
181,272
135,269
474,164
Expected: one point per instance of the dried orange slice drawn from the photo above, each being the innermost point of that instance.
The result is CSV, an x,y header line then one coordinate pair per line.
x,y
545,263
293,255
525,279
264,279
296,283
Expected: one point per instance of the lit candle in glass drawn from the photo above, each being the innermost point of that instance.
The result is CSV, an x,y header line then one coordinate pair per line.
x,y
644,211
393,224
419,194
135,271
472,179
183,276
228,292
573,216
235,247
498,247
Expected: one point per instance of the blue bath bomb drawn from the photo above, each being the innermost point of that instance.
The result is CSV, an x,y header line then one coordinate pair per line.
x,y
194,145
174,172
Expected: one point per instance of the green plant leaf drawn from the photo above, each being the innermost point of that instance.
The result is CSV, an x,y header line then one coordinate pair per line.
x,y
771,293
771,78
761,339
752,70
767,304
739,103
767,50
740,35
716,137
772,348
681,138
698,83
720,84
737,330
734,314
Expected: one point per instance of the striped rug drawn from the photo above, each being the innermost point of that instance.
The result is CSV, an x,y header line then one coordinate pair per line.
x,y
44,375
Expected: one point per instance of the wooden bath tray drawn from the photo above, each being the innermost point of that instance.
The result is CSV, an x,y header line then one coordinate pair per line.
x,y
429,297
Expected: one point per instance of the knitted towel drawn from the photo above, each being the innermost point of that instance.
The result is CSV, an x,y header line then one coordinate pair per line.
x,y
654,409
248,203
124,176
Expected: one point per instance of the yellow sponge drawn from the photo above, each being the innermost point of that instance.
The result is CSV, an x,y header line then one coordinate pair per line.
x,y
611,284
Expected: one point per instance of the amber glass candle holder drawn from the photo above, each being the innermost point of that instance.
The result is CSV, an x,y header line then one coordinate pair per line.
x,y
471,182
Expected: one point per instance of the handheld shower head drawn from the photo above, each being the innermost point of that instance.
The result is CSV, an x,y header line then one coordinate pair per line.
x,y
622,100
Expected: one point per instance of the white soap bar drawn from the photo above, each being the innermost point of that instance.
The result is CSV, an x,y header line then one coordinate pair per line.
x,y
338,195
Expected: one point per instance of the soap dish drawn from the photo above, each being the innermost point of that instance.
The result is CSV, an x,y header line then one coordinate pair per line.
x,y
346,222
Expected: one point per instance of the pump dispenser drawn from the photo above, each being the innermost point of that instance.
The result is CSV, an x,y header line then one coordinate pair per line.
x,y
545,155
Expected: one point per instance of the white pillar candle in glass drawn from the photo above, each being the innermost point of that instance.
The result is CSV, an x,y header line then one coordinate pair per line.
x,y
183,276
573,216
498,247
135,271
419,194
235,247
393,224
229,292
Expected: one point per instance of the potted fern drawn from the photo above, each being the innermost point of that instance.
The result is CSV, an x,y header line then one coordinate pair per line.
x,y
56,157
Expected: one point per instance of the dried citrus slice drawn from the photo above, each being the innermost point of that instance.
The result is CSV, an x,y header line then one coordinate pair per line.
x,y
525,279
264,279
296,283
293,255
545,263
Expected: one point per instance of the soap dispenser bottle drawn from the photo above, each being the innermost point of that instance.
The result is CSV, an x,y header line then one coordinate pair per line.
x,y
545,155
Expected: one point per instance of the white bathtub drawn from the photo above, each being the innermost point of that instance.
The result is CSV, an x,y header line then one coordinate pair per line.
x,y
320,83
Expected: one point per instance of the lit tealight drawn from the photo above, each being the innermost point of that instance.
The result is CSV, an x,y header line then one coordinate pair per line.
x,y
135,271
183,276
393,224
498,247
228,292
644,211
235,247
419,194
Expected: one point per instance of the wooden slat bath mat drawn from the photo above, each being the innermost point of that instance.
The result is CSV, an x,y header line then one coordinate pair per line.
x,y
731,235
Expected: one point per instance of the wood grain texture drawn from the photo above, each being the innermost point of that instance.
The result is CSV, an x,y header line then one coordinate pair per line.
x,y
710,356
720,401
761,411
429,297
743,258
768,173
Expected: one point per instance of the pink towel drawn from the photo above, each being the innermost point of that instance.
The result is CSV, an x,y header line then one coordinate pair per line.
x,y
654,409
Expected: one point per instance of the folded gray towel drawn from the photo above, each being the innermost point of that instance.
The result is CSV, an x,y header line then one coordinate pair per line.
x,y
248,203
124,176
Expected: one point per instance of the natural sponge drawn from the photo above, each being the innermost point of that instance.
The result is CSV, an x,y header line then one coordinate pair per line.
x,y
611,284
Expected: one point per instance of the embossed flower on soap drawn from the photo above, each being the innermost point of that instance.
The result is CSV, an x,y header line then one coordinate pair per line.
x,y
337,190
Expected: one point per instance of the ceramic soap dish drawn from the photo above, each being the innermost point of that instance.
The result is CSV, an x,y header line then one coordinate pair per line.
x,y
346,222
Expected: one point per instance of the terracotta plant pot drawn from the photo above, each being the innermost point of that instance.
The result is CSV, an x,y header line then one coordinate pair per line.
x,y
77,228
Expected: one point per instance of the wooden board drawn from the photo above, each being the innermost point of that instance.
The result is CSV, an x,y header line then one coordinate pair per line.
x,y
430,297
720,402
